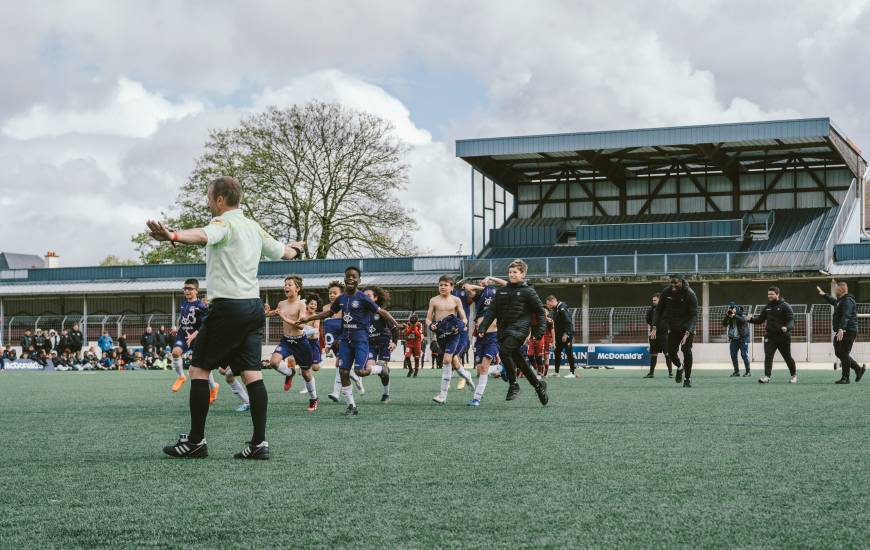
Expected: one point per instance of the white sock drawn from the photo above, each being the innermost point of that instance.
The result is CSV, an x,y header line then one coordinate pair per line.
x,y
211,383
494,369
377,369
178,365
312,389
354,376
387,388
240,391
465,376
348,395
284,369
481,386
336,387
446,373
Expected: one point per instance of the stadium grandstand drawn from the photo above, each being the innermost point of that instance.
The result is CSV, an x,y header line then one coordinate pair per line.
x,y
600,217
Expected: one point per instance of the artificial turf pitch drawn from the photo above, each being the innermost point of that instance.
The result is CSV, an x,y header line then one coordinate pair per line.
x,y
613,461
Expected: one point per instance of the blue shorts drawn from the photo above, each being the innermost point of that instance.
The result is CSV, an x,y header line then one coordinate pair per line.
x,y
379,350
454,344
181,343
315,350
353,351
296,347
486,347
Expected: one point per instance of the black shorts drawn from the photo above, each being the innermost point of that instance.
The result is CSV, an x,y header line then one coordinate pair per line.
x,y
231,335
659,344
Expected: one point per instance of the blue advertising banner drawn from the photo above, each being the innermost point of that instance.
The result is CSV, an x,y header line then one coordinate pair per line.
x,y
608,355
619,355
23,364
581,355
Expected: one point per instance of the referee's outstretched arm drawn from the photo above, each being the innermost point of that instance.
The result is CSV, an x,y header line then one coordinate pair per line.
x,y
198,236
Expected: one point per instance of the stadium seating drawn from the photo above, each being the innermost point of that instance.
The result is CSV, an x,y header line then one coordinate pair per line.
x,y
804,229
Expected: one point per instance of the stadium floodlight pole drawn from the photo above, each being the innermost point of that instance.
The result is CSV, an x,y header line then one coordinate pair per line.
x,y
865,179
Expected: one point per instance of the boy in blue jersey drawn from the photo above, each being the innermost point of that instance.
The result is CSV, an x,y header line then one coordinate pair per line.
x,y
193,310
293,349
357,311
447,320
331,335
382,342
466,296
486,346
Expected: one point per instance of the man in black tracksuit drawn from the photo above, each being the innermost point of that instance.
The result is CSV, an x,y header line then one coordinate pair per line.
x,y
780,322
513,308
678,311
659,344
844,323
564,332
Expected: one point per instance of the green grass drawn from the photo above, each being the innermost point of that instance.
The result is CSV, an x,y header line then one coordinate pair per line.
x,y
613,461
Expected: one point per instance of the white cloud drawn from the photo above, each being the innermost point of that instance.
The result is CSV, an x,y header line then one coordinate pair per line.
x,y
131,111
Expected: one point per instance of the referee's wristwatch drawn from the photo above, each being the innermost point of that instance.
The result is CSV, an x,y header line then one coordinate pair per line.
x,y
298,250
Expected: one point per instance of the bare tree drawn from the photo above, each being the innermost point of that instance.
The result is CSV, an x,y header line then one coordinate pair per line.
x,y
318,173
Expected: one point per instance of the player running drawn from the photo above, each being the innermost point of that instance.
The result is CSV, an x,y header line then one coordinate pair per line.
x,y
193,311
446,318
486,346
382,342
659,343
357,311
331,335
293,349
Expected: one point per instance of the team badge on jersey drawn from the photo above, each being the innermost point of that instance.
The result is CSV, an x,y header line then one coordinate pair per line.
x,y
354,304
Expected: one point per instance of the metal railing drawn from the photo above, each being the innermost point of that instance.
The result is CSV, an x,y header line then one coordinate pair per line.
x,y
655,264
132,327
848,204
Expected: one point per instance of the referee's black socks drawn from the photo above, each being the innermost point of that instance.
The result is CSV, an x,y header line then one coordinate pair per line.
x,y
259,402
199,396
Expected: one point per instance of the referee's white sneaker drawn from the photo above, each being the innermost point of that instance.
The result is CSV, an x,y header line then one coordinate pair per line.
x,y
792,379
764,380
570,375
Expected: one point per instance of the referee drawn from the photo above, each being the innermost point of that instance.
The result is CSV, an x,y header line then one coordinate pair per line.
x,y
232,330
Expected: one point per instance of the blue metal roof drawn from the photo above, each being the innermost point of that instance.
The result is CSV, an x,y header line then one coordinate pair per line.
x,y
327,267
646,137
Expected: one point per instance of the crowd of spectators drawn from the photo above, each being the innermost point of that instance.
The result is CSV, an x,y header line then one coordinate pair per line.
x,y
66,351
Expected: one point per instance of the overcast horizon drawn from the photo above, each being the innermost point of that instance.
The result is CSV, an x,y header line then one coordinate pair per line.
x,y
109,103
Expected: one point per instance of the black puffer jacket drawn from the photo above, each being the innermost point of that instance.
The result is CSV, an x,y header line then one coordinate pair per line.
x,y
514,306
776,314
845,313
562,321
677,309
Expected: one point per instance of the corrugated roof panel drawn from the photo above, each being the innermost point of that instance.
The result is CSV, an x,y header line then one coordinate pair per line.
x,y
680,135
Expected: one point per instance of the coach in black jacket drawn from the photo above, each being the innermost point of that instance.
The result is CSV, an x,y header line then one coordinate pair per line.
x,y
779,317
513,308
678,310
844,323
564,332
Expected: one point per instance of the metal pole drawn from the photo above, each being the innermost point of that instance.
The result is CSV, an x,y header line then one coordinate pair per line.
x,y
696,263
585,312
727,262
2,321
759,261
610,326
490,268
605,265
809,330
85,318
547,266
472,212
705,311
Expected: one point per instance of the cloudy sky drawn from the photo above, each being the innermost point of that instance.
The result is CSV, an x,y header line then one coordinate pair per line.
x,y
105,105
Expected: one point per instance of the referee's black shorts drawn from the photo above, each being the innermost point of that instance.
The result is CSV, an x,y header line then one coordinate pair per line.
x,y
231,335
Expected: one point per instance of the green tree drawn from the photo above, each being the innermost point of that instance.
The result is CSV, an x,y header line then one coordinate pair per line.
x,y
111,259
319,173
